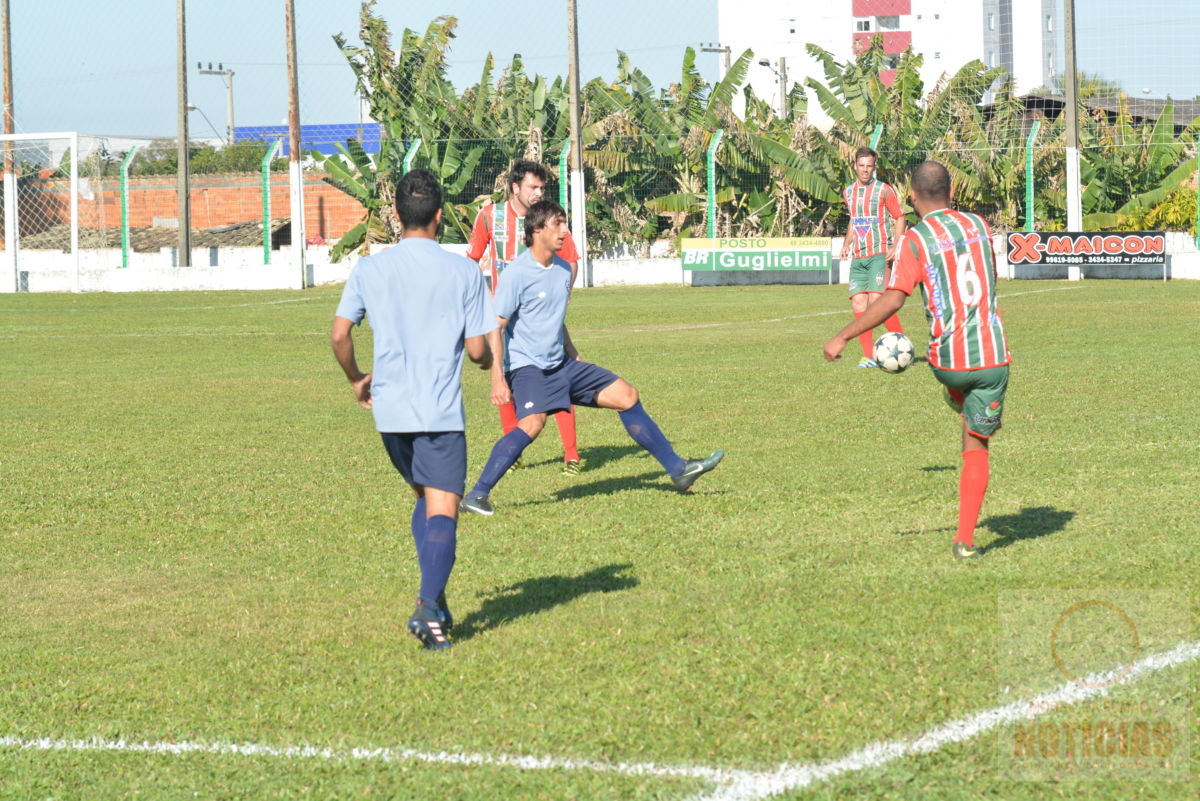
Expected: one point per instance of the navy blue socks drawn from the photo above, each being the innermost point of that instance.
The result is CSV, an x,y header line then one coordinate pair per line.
x,y
436,557
419,525
505,453
645,432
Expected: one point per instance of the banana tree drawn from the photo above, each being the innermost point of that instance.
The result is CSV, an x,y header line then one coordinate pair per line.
x,y
354,172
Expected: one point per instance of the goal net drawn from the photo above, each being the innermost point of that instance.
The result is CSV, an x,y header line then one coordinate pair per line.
x,y
42,194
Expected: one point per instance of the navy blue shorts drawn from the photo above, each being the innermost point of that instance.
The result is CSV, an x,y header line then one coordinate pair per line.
x,y
536,390
435,459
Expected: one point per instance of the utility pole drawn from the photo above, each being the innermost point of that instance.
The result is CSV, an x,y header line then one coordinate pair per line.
x,y
717,47
10,179
1074,201
184,205
578,193
295,173
781,74
785,104
227,76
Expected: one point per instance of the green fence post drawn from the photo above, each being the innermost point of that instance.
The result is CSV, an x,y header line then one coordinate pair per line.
x,y
411,154
1030,216
875,136
712,184
125,206
562,176
266,199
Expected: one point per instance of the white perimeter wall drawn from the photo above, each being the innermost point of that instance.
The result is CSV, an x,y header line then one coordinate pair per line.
x,y
242,268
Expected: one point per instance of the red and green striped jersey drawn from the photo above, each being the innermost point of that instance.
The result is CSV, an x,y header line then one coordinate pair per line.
x,y
500,235
866,205
949,253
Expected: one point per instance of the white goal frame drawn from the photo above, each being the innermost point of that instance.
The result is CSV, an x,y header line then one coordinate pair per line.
x,y
12,234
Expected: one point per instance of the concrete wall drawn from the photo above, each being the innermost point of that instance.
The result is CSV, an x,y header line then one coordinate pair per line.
x,y
242,268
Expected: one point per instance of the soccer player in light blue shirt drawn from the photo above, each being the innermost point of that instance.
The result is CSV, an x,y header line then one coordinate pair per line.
x,y
426,306
542,371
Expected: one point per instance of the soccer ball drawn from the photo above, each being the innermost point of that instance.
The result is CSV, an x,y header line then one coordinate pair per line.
x,y
893,352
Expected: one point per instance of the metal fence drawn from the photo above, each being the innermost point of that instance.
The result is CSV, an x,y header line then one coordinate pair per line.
x,y
689,152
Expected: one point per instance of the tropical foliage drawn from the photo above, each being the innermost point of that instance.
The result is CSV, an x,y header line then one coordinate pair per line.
x,y
645,148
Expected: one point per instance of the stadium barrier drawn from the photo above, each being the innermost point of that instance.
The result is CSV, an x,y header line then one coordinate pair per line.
x,y
241,268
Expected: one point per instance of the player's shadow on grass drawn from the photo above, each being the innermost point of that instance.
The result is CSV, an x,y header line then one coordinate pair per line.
x,y
654,480
534,595
594,458
1027,524
597,457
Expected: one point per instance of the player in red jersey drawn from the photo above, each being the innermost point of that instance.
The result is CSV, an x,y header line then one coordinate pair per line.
x,y
949,255
867,201
499,235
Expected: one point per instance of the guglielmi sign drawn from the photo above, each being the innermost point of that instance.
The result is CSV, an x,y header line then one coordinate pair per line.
x,y
757,253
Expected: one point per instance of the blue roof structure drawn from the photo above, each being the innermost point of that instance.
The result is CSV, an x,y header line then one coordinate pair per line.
x,y
320,137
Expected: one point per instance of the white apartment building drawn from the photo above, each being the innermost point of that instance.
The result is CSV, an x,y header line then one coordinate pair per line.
x,y
1021,36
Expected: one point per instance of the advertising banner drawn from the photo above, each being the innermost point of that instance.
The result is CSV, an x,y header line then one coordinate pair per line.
x,y
1144,248
757,253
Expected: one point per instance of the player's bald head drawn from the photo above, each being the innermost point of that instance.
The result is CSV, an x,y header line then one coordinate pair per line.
x,y
931,181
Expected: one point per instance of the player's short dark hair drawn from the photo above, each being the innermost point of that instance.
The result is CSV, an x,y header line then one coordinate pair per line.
x,y
540,215
931,180
865,151
418,198
523,167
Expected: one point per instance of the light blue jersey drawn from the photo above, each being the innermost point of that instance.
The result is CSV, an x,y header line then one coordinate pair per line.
x,y
422,302
534,300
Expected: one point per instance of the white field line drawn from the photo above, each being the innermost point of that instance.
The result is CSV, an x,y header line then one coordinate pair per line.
x,y
718,776
697,326
732,784
243,305
795,777
629,330
99,309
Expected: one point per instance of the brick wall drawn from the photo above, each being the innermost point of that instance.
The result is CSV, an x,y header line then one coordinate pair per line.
x,y
216,200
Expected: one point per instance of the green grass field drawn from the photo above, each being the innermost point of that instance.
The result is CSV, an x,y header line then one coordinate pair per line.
x,y
202,542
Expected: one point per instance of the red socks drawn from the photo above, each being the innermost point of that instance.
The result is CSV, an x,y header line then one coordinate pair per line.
x,y
508,417
972,486
566,428
867,340
893,324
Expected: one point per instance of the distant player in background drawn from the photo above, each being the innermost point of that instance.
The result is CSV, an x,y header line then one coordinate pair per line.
x,y
867,241
426,306
949,254
499,234
541,369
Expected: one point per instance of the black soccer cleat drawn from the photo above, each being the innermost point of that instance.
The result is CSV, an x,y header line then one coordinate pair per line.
x,y
477,504
426,624
964,551
693,469
444,611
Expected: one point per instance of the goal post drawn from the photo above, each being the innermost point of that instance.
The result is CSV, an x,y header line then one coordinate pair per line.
x,y
26,157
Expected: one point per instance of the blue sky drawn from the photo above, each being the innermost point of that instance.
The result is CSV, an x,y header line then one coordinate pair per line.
x,y
78,66
111,69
